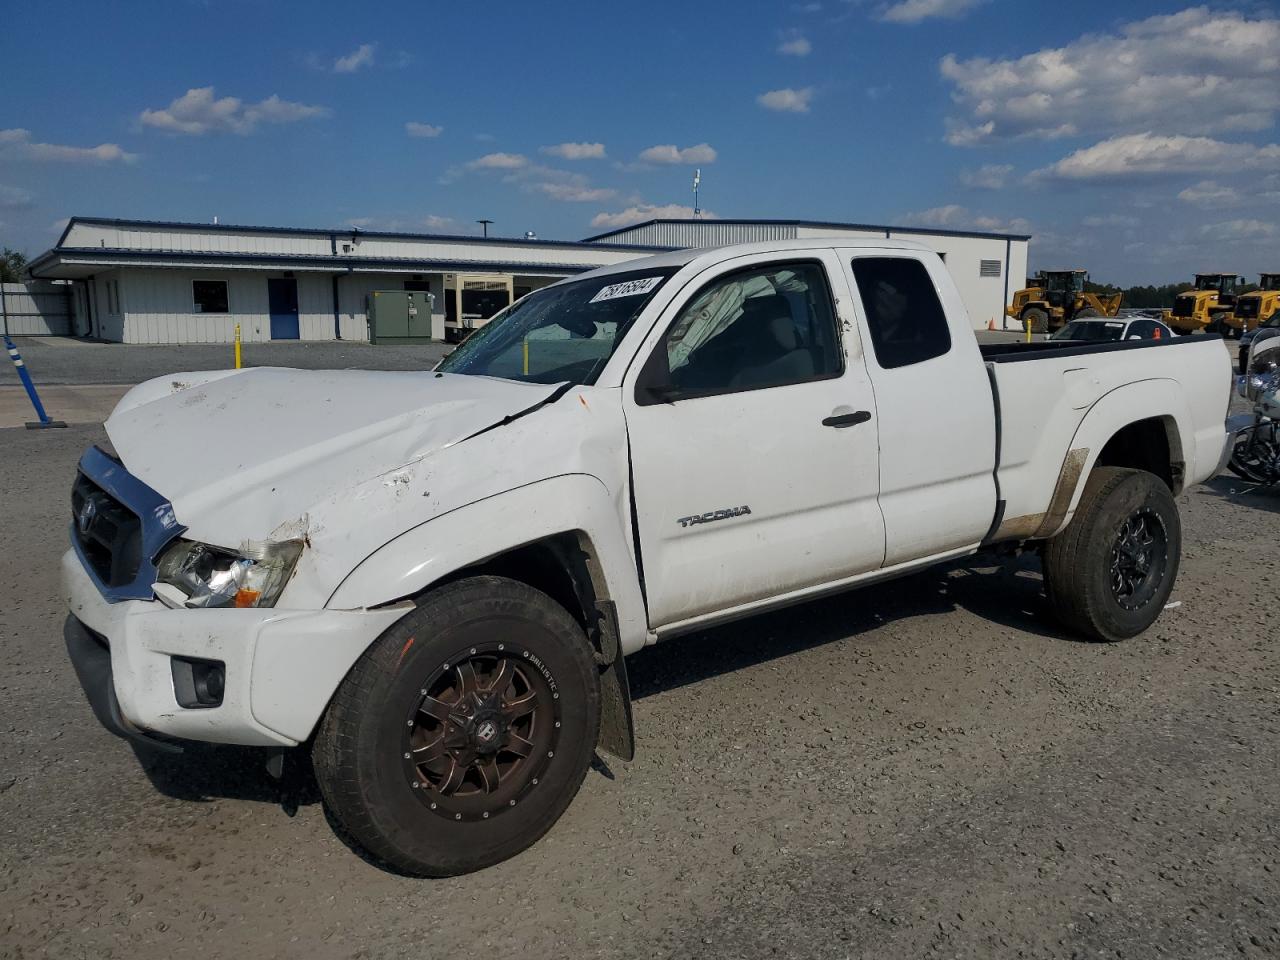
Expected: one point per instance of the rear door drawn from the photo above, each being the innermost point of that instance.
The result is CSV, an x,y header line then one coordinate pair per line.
x,y
933,397
752,439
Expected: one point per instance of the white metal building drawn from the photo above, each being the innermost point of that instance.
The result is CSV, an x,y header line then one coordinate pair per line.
x,y
987,267
145,282
140,281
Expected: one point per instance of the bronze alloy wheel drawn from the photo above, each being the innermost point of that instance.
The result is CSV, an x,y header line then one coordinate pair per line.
x,y
484,729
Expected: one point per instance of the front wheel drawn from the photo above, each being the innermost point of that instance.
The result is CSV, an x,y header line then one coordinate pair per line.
x,y
1110,572
1035,319
464,732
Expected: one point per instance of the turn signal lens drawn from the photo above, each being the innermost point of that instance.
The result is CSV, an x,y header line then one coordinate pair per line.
x,y
247,598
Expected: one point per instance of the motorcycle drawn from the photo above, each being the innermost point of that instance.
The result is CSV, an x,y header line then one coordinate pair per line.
x,y
1255,449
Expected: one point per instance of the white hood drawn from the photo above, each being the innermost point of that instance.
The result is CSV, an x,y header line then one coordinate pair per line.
x,y
254,448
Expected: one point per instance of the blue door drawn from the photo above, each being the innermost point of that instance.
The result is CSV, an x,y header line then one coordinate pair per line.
x,y
282,302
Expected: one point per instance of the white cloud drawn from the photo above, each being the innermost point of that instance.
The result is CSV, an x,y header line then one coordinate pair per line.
x,y
1238,231
787,100
424,130
433,222
17,142
575,151
1146,154
793,43
361,56
646,211
669,153
1209,194
1109,220
952,216
991,176
198,112
1195,72
15,198
575,193
499,161
914,11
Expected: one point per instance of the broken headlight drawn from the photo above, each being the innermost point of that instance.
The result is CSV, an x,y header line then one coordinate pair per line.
x,y
210,576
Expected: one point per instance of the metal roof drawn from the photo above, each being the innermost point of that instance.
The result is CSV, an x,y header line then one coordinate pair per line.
x,y
820,224
327,231
123,256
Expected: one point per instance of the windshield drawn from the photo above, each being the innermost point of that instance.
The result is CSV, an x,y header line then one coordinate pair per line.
x,y
562,333
1090,330
1215,282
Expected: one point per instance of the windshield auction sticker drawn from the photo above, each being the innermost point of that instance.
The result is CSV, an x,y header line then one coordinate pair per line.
x,y
632,288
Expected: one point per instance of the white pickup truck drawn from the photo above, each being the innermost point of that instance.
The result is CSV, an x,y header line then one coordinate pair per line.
x,y
431,579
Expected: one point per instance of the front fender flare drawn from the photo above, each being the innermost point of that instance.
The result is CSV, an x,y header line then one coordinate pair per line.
x,y
479,531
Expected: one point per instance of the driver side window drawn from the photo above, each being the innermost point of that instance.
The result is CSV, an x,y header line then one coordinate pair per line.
x,y
764,327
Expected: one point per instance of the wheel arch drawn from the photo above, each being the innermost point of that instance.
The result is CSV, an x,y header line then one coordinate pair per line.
x,y
1140,426
562,536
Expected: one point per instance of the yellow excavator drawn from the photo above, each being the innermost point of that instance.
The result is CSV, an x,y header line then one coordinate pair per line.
x,y
1053,298
1207,305
1255,308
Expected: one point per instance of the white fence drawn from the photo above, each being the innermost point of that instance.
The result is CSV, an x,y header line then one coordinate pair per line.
x,y
36,308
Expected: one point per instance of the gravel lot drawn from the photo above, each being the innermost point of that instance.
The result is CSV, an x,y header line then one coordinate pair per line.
x,y
924,768
65,360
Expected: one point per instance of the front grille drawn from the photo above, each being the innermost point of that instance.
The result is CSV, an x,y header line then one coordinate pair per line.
x,y
1184,306
1247,307
107,532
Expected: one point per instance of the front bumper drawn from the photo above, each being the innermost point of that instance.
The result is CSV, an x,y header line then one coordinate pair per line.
x,y
282,666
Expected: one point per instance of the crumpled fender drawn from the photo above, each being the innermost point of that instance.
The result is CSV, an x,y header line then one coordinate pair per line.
x,y
486,528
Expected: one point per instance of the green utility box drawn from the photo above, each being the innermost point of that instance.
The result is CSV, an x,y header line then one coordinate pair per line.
x,y
402,316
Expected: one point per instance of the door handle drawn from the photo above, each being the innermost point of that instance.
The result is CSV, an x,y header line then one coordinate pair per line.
x,y
839,420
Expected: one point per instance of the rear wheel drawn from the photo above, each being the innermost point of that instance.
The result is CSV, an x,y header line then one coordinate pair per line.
x,y
1110,572
1087,313
1035,319
464,732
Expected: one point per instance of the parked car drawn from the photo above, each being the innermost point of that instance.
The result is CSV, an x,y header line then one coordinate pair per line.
x,y
1121,328
431,579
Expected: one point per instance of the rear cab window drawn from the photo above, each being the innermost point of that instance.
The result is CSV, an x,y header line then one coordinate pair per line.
x,y
904,316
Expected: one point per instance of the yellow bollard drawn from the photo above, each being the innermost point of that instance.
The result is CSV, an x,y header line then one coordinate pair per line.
x,y
1027,324
526,356
237,346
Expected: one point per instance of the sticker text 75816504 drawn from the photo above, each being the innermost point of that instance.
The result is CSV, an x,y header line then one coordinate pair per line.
x,y
630,288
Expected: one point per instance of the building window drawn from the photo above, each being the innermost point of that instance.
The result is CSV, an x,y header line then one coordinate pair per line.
x,y
903,313
210,296
989,268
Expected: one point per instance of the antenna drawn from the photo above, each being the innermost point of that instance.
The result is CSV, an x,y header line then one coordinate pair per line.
x,y
697,179
485,225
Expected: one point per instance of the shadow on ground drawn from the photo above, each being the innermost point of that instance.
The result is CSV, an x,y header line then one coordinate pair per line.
x,y
1006,591
1256,496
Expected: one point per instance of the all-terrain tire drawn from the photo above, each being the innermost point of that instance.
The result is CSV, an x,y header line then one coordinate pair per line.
x,y
367,759
1097,550
1087,313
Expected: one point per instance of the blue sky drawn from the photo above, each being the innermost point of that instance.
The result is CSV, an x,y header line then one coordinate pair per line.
x,y
1138,140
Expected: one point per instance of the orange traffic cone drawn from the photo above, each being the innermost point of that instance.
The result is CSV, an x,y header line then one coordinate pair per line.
x,y
991,324
1157,334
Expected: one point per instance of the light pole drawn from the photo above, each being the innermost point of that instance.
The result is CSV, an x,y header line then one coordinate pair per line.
x,y
485,225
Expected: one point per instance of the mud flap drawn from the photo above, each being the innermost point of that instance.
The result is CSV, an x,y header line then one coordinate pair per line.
x,y
617,729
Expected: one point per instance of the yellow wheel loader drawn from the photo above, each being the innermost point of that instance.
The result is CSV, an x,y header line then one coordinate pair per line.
x,y
1053,298
1255,308
1207,306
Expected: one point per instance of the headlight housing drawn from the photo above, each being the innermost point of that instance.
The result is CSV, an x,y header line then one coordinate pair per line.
x,y
209,576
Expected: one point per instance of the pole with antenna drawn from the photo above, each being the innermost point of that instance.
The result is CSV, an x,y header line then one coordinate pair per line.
x,y
697,180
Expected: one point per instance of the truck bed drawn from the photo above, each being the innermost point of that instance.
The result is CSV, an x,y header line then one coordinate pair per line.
x,y
1045,392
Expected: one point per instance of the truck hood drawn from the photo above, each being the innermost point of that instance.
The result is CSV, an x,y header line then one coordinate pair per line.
x,y
250,450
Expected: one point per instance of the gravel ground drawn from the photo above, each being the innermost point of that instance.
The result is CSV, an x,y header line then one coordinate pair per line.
x,y
924,768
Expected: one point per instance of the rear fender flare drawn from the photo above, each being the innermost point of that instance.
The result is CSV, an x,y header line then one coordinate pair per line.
x,y
1146,400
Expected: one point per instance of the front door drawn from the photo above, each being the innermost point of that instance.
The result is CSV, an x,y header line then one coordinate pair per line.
x,y
753,441
282,302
